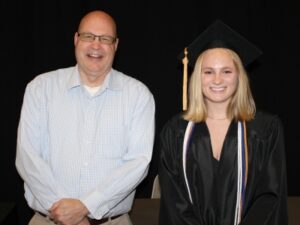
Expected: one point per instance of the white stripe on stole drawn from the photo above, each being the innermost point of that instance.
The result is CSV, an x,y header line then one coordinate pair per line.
x,y
238,209
187,136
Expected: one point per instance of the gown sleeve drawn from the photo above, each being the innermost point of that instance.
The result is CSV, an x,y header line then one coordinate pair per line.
x,y
175,207
267,204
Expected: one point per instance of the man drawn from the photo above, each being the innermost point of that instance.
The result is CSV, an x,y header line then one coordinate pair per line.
x,y
85,134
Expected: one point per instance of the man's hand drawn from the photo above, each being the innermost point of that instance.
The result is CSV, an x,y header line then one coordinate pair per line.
x,y
85,221
69,211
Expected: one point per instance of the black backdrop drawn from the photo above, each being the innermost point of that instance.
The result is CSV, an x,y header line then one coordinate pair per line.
x,y
37,36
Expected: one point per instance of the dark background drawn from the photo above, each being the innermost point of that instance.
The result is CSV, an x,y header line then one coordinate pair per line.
x,y
37,36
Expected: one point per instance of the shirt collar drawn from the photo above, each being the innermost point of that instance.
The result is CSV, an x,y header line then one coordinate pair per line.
x,y
112,80
74,80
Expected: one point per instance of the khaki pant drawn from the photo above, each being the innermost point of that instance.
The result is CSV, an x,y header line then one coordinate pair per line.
x,y
38,219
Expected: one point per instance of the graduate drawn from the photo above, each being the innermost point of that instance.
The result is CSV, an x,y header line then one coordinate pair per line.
x,y
222,162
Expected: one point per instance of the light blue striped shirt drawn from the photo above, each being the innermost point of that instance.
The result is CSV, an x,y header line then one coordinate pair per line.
x,y
93,148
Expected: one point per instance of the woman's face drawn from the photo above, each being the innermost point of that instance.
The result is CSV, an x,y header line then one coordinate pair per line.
x,y
219,76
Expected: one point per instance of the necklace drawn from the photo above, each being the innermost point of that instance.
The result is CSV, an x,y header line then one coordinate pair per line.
x,y
213,118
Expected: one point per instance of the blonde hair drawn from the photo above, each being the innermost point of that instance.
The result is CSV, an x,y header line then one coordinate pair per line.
x,y
242,105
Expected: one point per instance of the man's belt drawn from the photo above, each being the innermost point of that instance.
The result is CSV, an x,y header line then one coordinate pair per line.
x,y
92,221
103,220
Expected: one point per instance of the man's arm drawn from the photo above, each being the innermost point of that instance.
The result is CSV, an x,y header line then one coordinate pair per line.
x,y
30,162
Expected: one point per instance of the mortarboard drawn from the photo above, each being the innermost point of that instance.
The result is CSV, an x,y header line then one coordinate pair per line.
x,y
218,34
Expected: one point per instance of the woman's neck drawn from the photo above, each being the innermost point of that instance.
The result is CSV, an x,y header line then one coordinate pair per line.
x,y
218,117
217,111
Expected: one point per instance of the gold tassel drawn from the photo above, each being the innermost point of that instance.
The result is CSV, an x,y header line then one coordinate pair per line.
x,y
185,78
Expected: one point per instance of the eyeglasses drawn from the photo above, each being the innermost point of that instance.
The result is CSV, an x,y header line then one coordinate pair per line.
x,y
104,39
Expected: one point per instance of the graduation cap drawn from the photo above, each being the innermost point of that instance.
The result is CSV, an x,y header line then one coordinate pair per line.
x,y
217,35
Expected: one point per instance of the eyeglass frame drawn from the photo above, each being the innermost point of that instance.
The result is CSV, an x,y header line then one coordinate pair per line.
x,y
100,38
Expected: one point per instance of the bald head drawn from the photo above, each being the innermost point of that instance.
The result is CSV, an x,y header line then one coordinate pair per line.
x,y
98,18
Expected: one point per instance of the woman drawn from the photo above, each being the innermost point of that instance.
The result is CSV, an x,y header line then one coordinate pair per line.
x,y
222,163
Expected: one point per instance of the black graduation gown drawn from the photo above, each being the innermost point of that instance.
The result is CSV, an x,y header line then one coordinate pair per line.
x,y
213,184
